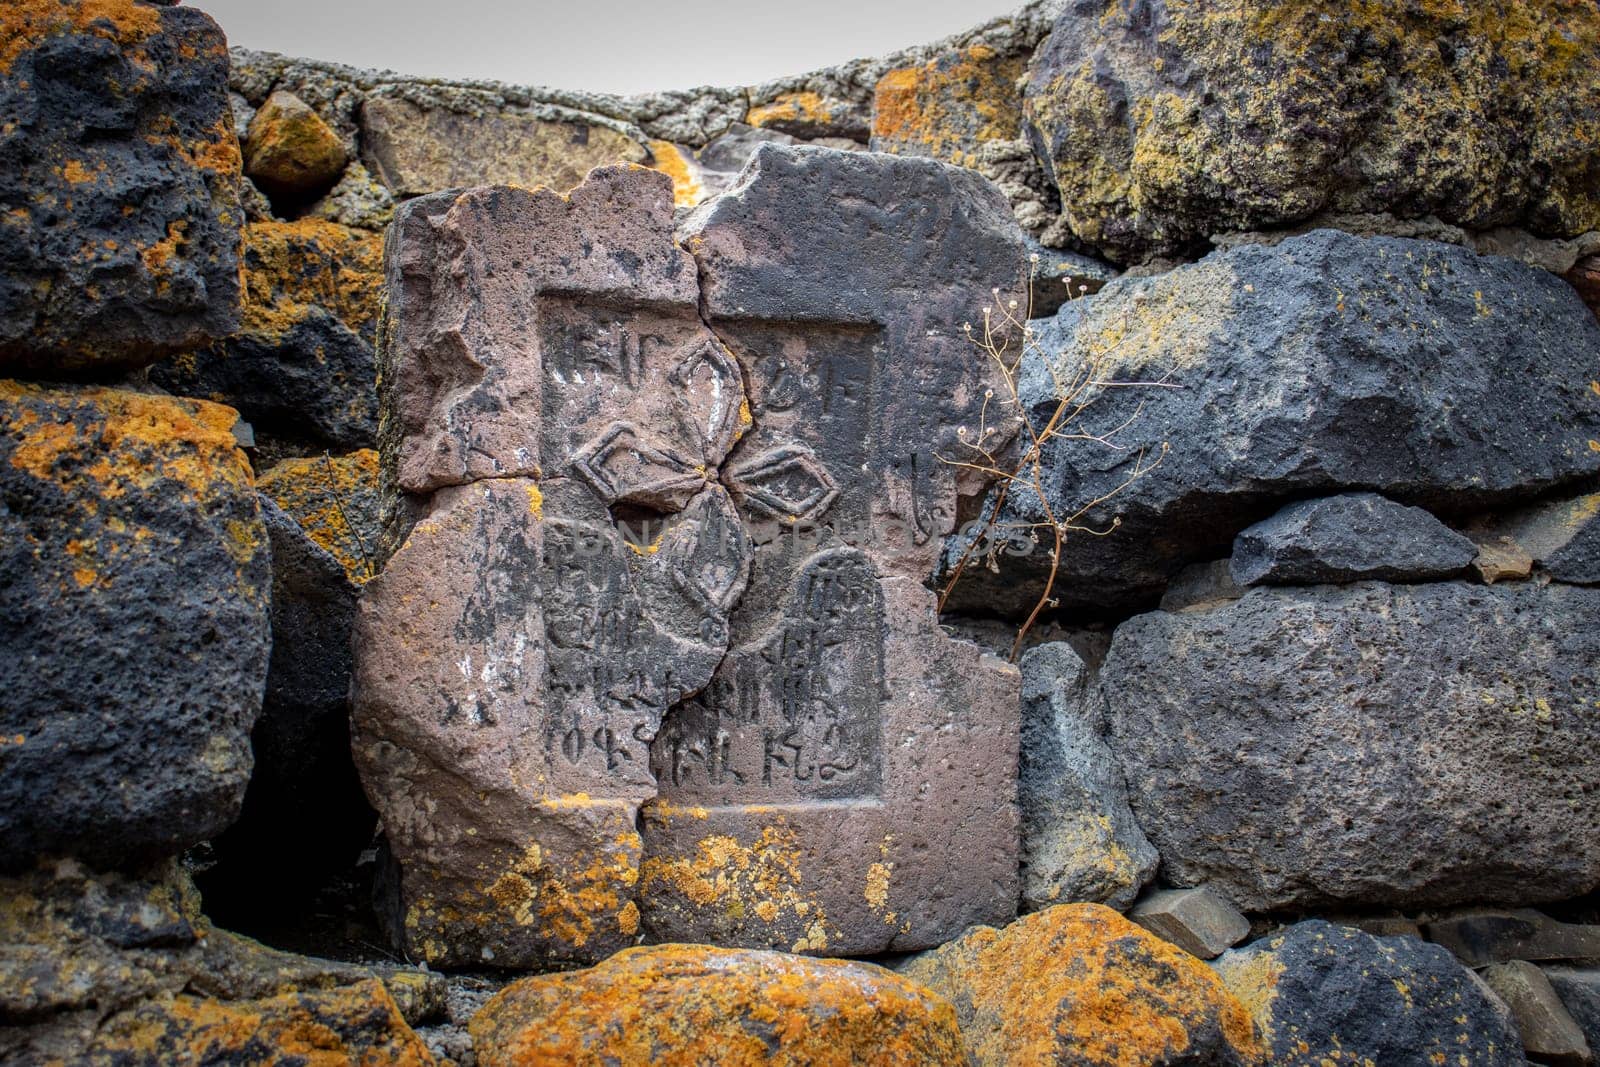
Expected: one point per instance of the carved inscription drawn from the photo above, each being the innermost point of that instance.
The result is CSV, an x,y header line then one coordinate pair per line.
x,y
796,716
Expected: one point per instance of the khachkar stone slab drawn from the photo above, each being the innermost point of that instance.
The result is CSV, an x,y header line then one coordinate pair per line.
x,y
557,413
846,784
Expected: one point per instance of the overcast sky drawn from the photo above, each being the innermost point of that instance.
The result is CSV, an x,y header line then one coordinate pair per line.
x,y
620,46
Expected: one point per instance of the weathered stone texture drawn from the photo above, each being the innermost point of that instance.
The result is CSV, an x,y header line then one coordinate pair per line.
x,y
1480,936
301,365
600,485
1349,538
1329,362
119,183
1322,993
415,150
1549,1034
1165,125
1579,990
888,748
1196,920
335,499
1561,536
690,1004
1080,841
134,582
1369,744
949,106
289,149
1079,985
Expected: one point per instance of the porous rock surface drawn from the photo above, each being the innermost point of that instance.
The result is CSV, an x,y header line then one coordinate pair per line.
x,y
119,174
1080,841
134,589
693,1004
1320,993
1328,362
1169,122
1420,745
1079,985
1351,537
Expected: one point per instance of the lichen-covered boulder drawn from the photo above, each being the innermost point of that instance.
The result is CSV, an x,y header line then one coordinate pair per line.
x,y
119,185
1351,537
1080,842
351,1024
1078,985
301,365
1169,123
290,150
950,106
134,583
1329,362
335,500
1322,993
1368,744
683,1005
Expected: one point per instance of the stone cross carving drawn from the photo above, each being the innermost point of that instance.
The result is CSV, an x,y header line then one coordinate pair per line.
x,y
669,562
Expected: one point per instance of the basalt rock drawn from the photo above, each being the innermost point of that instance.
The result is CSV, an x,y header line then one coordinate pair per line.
x,y
134,583
1349,538
1079,985
335,499
948,107
289,149
119,172
1549,1033
1080,842
301,365
1329,362
415,150
848,754
1322,993
1405,746
691,1004
1166,124
1561,536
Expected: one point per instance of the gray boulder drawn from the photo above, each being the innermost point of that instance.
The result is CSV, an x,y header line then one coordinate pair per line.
x,y
1416,369
1349,538
1369,744
1579,990
1080,842
1322,993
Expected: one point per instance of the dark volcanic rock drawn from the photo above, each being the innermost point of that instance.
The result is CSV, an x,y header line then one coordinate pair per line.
x,y
301,365
1322,993
1329,362
304,816
1080,842
1422,745
133,610
1579,990
1349,538
119,185
1165,123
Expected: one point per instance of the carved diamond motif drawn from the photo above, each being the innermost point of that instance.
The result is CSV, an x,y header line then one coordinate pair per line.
x,y
620,466
785,483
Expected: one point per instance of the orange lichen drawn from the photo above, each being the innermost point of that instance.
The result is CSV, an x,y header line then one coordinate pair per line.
x,y
24,24
335,500
358,1023
291,268
950,106
676,164
693,1005
1079,984
798,108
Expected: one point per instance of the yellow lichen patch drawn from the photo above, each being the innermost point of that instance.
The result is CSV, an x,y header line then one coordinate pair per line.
x,y
949,107
535,501
682,1005
677,164
335,500
791,109
25,24
1079,980
291,268
1253,980
359,1023
877,892
760,882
